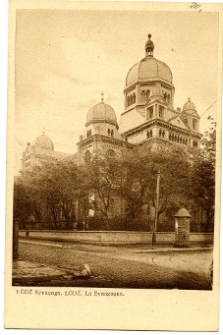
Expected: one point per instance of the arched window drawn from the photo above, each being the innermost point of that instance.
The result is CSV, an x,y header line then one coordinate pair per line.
x,y
108,132
87,156
194,124
195,143
147,95
163,133
89,133
161,111
111,153
149,133
134,98
150,113
112,133
169,137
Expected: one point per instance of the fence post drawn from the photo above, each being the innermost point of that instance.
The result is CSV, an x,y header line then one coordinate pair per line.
x,y
15,239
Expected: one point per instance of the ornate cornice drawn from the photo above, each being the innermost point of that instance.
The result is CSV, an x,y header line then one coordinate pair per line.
x,y
164,124
105,139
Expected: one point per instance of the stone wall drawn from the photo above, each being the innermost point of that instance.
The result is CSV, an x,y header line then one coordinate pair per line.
x,y
114,237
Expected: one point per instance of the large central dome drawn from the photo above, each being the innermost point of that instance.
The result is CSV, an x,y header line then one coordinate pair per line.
x,y
101,112
149,68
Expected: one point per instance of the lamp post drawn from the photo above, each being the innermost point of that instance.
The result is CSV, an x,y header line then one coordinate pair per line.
x,y
156,210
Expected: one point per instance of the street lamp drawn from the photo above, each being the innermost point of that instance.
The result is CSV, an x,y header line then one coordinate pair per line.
x,y
156,210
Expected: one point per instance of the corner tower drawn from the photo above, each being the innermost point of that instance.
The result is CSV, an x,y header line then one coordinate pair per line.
x,y
101,132
190,115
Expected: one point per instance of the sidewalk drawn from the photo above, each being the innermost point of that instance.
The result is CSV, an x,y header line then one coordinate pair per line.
x,y
25,271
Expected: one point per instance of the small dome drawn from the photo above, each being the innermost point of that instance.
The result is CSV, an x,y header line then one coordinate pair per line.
x,y
189,105
101,112
183,212
44,142
149,68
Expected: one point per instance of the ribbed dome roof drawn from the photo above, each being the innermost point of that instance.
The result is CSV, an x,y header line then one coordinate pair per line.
x,y
189,105
101,112
44,142
149,68
183,212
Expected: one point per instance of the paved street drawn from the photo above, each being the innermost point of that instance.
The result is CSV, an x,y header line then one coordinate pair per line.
x,y
121,267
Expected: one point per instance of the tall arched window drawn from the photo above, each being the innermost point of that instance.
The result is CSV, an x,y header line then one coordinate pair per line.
x,y
149,133
87,156
134,98
194,125
108,132
161,111
150,113
112,133
111,153
147,95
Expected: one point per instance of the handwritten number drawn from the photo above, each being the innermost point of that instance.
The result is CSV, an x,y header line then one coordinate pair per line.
x,y
195,6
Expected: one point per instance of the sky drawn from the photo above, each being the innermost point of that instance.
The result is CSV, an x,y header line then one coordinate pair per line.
x,y
66,58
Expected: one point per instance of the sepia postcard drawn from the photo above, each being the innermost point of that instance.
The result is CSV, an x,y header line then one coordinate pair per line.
x,y
113,165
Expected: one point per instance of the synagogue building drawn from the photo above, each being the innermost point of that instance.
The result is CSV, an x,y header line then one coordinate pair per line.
x,y
149,118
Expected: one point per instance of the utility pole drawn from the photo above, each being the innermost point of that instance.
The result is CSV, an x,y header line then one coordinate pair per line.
x,y
156,210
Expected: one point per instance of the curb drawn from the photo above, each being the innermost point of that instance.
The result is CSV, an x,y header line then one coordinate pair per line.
x,y
165,250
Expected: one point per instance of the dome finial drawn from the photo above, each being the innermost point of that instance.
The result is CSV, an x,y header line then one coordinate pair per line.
x,y
149,47
188,99
102,99
43,131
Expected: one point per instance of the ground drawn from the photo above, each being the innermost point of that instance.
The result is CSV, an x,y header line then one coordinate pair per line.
x,y
120,266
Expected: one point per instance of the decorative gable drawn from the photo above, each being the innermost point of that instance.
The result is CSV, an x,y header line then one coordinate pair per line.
x,y
178,122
